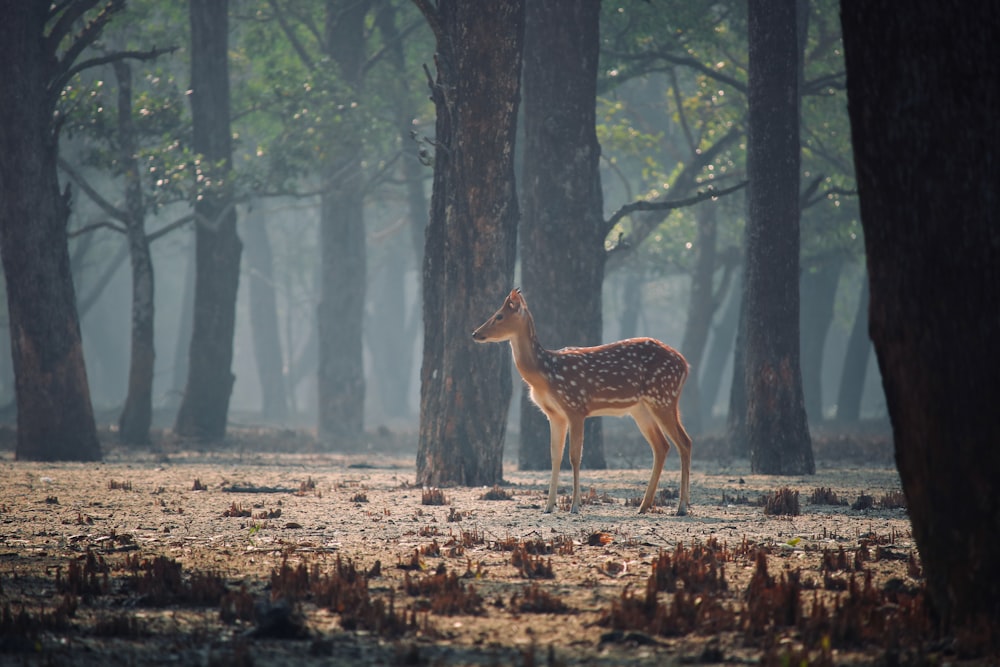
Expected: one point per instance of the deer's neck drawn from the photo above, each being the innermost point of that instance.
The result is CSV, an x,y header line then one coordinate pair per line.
x,y
529,355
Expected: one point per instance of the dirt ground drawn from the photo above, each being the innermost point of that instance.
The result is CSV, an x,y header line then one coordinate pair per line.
x,y
88,551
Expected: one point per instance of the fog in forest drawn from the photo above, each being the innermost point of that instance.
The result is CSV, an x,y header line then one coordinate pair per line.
x,y
645,294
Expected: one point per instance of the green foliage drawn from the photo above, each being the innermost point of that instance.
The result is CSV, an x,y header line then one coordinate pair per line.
x,y
673,82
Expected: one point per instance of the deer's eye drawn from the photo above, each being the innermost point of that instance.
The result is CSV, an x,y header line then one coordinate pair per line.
x,y
499,317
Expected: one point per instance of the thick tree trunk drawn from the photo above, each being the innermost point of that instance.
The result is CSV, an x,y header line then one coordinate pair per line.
x,y
55,420
777,433
923,99
852,379
137,414
264,316
205,406
819,293
562,227
343,260
471,240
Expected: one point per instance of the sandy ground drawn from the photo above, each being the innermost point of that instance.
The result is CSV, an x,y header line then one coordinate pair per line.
x,y
315,508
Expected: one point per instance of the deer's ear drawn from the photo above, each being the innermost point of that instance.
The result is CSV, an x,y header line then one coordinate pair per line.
x,y
514,300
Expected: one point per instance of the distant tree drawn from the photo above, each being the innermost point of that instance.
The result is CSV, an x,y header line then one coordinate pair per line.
x,y
777,433
562,225
205,407
39,54
471,238
852,379
263,307
923,98
343,265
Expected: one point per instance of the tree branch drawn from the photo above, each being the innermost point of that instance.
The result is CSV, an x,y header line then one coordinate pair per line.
x,y
94,226
685,61
708,193
810,190
64,68
826,194
69,12
292,37
166,229
152,54
109,209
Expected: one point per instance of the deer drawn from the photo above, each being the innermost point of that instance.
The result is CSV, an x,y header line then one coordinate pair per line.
x,y
640,377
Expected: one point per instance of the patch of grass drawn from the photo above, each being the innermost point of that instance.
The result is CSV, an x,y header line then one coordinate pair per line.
x,y
114,485
444,593
783,502
433,496
235,510
497,493
536,600
531,566
823,495
893,500
198,486
863,503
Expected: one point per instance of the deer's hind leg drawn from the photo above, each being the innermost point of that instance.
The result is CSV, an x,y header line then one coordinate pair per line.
x,y
650,430
669,420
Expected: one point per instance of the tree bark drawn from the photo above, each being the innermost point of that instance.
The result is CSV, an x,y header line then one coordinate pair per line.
x,y
205,406
340,314
137,413
562,225
471,239
923,100
776,430
264,316
852,379
55,420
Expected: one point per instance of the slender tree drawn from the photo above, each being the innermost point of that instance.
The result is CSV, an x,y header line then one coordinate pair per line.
x,y
39,54
204,409
777,433
562,226
343,256
471,238
923,99
137,413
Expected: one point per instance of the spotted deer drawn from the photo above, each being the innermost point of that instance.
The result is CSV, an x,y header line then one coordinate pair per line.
x,y
640,377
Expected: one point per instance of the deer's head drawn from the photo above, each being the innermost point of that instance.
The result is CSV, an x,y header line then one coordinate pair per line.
x,y
506,323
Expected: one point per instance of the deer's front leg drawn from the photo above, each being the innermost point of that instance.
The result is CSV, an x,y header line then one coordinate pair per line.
x,y
557,435
575,457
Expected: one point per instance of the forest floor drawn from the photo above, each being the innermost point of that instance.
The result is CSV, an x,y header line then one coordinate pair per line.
x,y
266,551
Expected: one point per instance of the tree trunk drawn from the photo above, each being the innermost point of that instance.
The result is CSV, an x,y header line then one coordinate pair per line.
x,y
55,420
852,380
264,316
701,309
776,429
471,240
736,419
340,314
562,227
393,346
137,414
819,292
923,100
723,344
205,406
